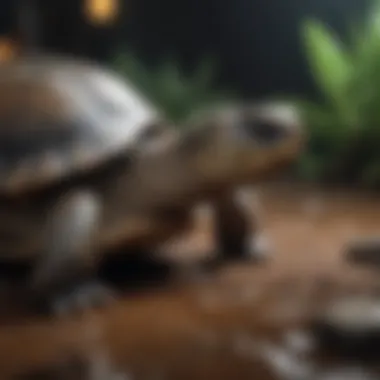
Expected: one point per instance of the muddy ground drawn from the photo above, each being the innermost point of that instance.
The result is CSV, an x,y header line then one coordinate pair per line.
x,y
241,322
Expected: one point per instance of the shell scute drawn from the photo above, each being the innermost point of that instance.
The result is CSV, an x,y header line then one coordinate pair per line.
x,y
58,116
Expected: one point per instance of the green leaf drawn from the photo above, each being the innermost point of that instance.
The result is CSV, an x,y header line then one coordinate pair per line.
x,y
331,66
175,92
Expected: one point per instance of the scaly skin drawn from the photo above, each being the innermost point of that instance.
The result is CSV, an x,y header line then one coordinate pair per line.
x,y
144,203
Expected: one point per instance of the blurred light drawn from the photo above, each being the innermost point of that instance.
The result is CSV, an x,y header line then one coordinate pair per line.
x,y
101,12
8,49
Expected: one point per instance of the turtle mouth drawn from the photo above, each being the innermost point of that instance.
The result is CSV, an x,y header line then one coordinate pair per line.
x,y
262,163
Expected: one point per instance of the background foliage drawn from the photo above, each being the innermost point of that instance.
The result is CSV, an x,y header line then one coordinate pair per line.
x,y
344,125
172,90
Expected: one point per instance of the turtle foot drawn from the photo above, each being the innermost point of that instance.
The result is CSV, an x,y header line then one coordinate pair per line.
x,y
77,298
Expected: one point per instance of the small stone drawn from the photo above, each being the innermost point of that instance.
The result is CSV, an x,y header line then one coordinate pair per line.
x,y
350,326
363,252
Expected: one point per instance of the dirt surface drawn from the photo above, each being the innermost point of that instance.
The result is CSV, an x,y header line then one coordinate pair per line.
x,y
241,322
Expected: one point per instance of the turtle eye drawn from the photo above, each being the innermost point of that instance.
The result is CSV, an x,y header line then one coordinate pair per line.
x,y
263,131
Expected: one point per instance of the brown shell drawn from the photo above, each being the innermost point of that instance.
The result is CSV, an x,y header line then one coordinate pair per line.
x,y
59,115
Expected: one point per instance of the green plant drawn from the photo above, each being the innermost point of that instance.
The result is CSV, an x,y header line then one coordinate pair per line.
x,y
170,89
345,126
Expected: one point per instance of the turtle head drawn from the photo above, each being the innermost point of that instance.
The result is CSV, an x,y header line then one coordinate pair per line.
x,y
244,142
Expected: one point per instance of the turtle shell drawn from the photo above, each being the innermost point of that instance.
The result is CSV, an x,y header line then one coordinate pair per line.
x,y
59,116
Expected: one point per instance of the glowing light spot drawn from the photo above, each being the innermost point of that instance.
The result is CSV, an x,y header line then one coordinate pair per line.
x,y
7,49
101,12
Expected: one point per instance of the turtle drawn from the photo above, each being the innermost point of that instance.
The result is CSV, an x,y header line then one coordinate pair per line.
x,y
90,167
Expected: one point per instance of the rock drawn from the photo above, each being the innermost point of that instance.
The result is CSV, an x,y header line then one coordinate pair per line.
x,y
363,252
350,326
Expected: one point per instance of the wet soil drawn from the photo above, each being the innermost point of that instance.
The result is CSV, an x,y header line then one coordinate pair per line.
x,y
243,321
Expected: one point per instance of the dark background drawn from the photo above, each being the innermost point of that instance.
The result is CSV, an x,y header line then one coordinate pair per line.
x,y
256,42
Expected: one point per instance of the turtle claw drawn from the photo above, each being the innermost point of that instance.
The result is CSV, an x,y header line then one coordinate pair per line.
x,y
255,250
86,297
258,249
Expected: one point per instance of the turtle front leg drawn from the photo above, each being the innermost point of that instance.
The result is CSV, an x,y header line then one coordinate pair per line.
x,y
64,278
237,234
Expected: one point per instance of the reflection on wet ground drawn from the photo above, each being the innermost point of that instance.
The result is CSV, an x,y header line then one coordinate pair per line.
x,y
240,322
